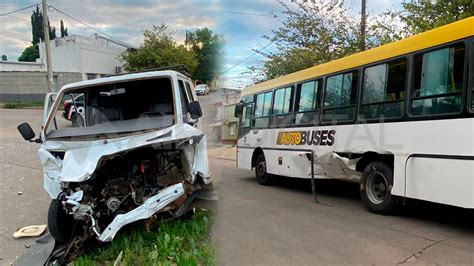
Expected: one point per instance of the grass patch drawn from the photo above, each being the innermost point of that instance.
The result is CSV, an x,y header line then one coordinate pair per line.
x,y
22,104
175,242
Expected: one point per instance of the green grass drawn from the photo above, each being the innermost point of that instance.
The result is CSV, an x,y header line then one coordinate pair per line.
x,y
22,104
175,242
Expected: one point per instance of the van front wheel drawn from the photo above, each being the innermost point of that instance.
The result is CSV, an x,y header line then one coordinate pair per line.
x,y
375,188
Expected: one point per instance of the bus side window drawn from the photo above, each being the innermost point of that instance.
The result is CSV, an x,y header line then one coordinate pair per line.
x,y
439,80
263,106
340,97
307,102
383,90
282,107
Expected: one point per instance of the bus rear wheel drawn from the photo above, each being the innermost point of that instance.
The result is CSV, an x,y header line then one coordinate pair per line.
x,y
376,186
263,177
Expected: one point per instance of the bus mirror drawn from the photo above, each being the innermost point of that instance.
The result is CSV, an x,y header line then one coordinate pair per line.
x,y
238,110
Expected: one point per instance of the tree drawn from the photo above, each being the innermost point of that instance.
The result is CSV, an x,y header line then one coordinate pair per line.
x,y
4,58
208,48
315,32
63,30
159,49
420,16
30,54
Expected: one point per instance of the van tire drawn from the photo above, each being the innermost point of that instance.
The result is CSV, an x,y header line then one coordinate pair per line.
x,y
375,188
60,224
263,177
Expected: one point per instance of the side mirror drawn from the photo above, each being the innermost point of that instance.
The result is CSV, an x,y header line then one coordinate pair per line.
x,y
26,132
238,110
194,109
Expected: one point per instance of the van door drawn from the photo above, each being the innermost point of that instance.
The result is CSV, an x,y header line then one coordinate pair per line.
x,y
49,100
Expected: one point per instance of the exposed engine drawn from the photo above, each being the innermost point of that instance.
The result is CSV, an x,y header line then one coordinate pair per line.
x,y
122,183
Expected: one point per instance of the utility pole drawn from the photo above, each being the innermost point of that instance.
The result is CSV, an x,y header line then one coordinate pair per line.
x,y
47,46
362,25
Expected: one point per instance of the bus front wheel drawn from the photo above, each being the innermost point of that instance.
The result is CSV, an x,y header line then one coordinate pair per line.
x,y
376,186
263,177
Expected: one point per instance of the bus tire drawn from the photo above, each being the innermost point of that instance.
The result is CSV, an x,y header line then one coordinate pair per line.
x,y
375,188
263,177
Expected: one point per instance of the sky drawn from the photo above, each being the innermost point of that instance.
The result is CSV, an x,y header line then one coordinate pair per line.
x,y
241,23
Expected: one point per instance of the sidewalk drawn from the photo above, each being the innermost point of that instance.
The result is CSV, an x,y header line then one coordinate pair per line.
x,y
223,152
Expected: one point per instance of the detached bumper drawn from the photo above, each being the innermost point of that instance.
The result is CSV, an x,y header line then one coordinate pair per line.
x,y
144,211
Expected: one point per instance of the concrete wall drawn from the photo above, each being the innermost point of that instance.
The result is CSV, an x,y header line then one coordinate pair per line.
x,y
30,86
21,66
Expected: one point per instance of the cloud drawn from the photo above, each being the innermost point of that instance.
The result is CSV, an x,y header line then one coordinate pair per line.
x,y
243,23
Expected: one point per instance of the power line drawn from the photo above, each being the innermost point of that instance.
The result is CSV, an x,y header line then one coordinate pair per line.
x,y
18,10
247,58
250,14
91,27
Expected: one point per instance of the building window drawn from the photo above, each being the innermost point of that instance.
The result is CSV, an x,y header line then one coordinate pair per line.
x,y
340,97
439,78
263,106
307,102
383,90
91,76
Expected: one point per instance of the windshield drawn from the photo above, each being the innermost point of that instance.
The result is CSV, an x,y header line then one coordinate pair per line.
x,y
115,108
200,87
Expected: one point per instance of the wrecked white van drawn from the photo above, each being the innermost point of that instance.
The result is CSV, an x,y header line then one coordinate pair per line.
x,y
138,152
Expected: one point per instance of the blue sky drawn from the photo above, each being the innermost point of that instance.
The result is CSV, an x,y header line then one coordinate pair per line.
x,y
243,23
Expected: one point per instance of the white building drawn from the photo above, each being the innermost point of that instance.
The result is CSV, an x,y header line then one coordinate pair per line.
x,y
93,57
74,58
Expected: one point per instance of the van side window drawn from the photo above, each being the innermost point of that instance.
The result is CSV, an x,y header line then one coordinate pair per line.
x,y
282,106
340,97
184,100
189,92
383,90
263,106
438,81
307,102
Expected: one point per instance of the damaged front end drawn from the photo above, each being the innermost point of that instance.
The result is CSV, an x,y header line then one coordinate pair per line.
x,y
135,153
109,184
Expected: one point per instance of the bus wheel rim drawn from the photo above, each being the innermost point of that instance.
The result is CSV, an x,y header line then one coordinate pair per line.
x,y
376,187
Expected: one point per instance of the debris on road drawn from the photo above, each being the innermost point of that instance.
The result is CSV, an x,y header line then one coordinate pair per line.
x,y
30,231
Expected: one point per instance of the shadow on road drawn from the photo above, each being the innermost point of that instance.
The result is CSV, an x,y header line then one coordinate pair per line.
x,y
423,211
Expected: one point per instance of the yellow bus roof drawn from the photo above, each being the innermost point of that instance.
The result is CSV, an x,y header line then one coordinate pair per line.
x,y
445,34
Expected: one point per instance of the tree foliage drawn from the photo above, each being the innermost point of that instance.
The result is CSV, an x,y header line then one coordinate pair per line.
x,y
209,48
313,33
63,30
159,49
420,16
30,54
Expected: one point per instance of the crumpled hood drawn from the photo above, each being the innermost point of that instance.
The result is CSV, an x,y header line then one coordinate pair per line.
x,y
81,158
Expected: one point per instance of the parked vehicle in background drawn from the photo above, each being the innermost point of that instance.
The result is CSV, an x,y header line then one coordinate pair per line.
x,y
398,119
139,153
202,89
74,110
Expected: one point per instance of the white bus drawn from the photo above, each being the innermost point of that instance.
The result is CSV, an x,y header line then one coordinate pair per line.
x,y
397,118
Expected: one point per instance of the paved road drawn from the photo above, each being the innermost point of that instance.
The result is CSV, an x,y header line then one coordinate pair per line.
x,y
20,171
281,225
261,225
